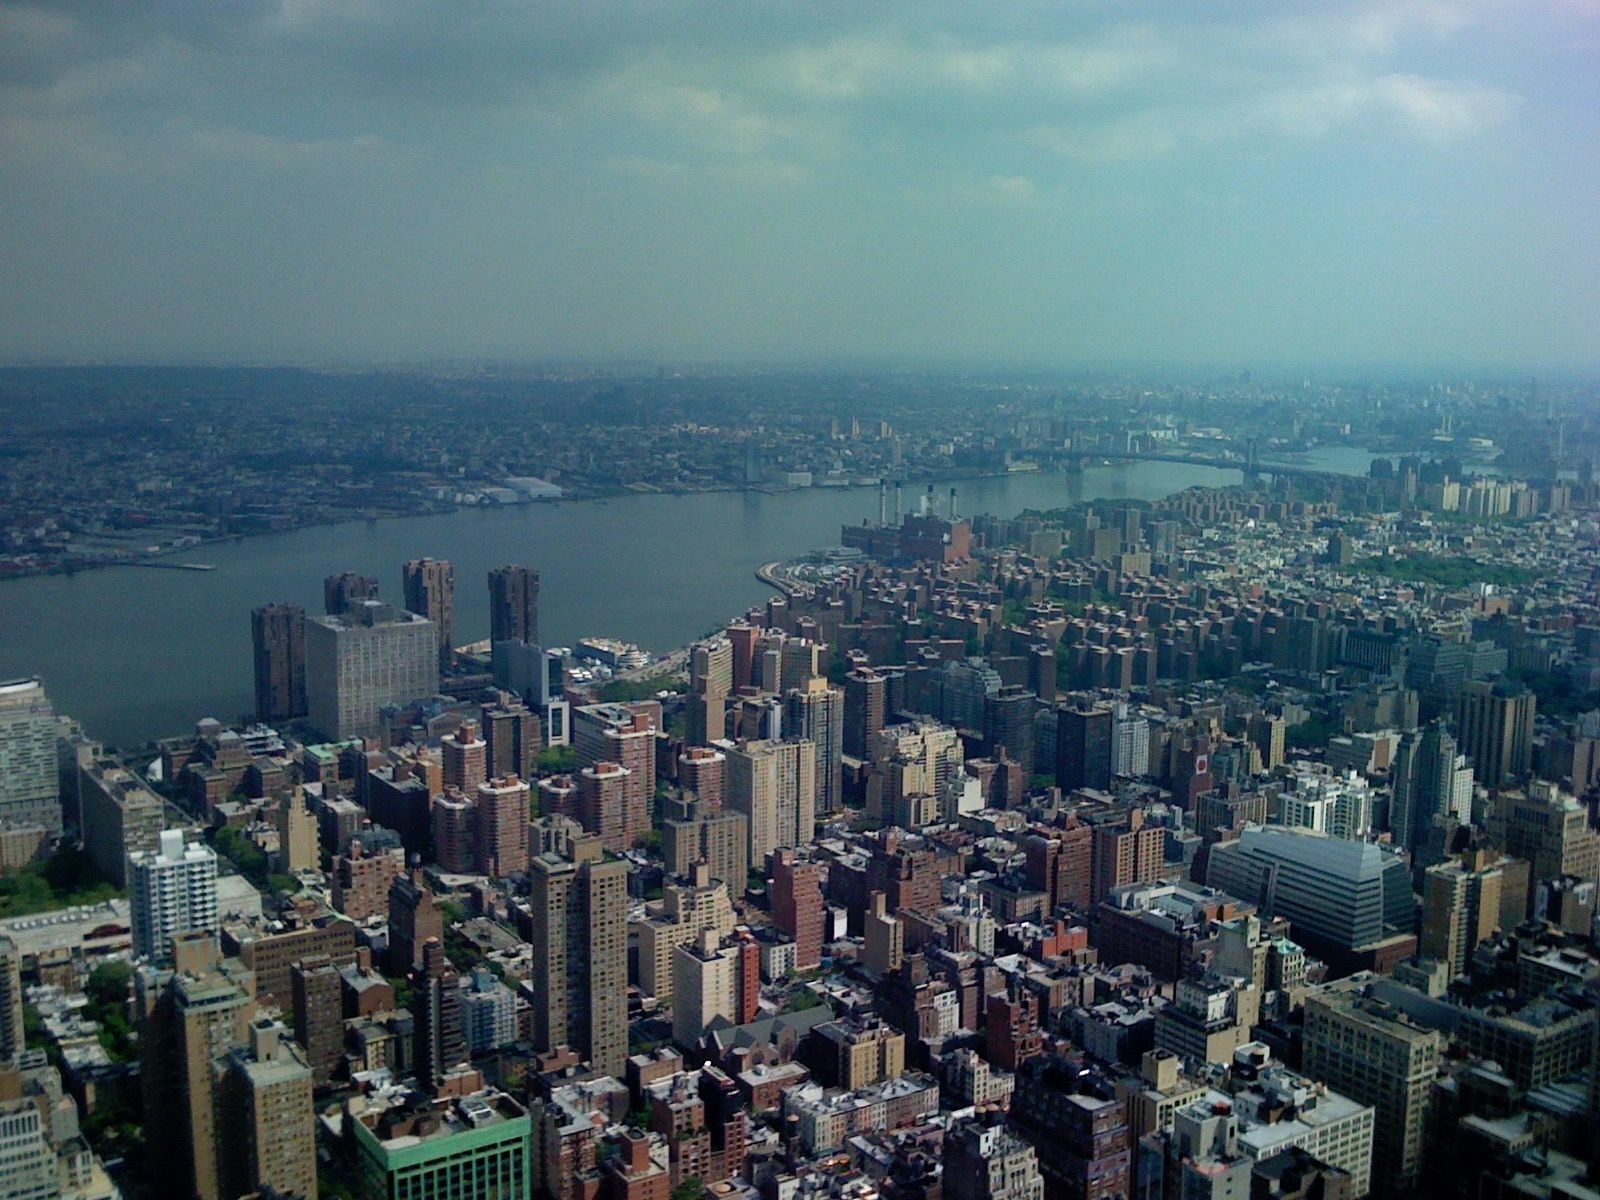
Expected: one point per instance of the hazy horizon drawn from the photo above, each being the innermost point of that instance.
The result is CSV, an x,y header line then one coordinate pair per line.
x,y
1405,187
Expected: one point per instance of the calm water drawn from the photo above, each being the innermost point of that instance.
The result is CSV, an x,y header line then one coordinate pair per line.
x,y
136,653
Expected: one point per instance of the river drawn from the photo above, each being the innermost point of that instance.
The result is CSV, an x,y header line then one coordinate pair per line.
x,y
136,653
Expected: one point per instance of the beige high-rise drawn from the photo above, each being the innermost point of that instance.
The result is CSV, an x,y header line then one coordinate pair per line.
x,y
272,1124
1460,907
580,940
193,1016
1373,1054
775,785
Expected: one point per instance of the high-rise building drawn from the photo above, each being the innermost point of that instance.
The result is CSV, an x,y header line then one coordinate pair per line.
x,y
466,758
511,737
1083,747
28,1165
688,906
815,711
415,919
1495,722
513,604
1350,902
705,986
695,833
1008,725
983,1160
1423,780
797,906
370,656
1124,852
602,804
579,908
430,591
192,1016
296,824
171,891
883,937
121,816
1078,1128
12,1040
488,1012
278,638
1460,908
30,785
866,702
625,735
1130,742
1374,1054
341,593
774,784
710,684
270,1125
704,771
443,1148
1549,829
315,984
1267,732
436,1016
501,835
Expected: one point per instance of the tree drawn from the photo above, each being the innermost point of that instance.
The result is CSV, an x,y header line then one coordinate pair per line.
x,y
690,1189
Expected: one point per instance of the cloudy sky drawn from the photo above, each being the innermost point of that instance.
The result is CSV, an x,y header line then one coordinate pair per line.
x,y
1094,182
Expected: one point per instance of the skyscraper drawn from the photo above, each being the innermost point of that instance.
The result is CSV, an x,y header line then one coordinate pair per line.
x,y
797,906
270,1128
371,656
710,684
511,735
436,1016
501,841
278,638
625,735
1374,1055
815,711
1083,747
1460,907
774,784
171,891
1351,902
30,788
866,692
1422,777
1008,724
603,804
580,939
1496,726
340,593
193,1015
465,756
513,604
430,591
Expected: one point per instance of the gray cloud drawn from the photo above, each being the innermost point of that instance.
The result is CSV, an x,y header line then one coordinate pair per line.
x,y
295,178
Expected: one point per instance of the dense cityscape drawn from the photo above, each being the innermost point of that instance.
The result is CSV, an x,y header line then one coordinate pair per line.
x,y
120,465
1238,843
923,600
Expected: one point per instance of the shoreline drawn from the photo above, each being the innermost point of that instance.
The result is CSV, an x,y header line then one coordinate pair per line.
x,y
587,498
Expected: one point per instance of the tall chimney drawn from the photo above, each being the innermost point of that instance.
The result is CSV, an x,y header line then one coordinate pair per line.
x,y
897,484
952,506
883,503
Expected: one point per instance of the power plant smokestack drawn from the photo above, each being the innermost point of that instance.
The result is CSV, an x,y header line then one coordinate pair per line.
x,y
897,502
883,503
952,506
